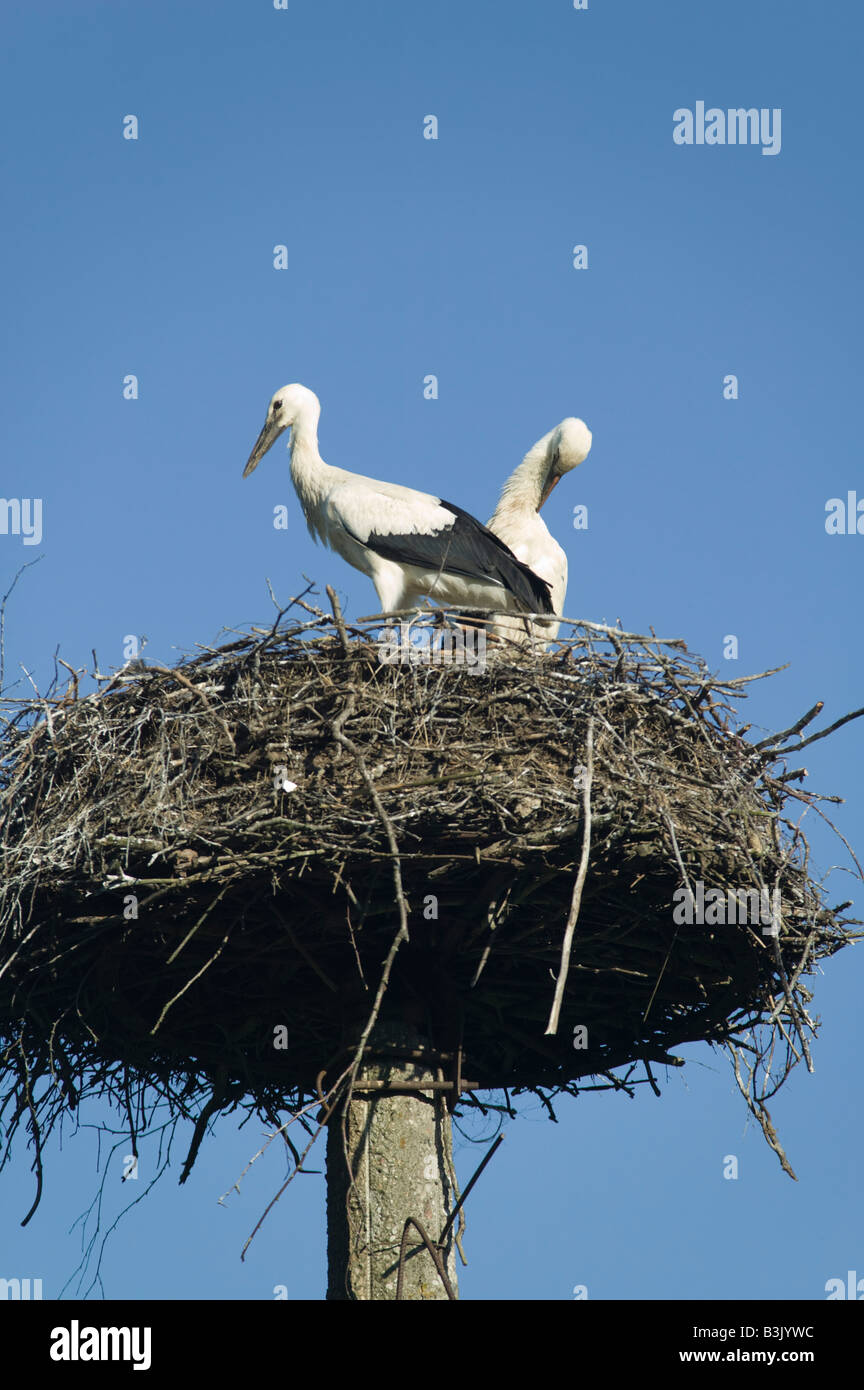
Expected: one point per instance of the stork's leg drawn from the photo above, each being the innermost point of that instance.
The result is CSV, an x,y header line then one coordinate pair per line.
x,y
389,586
395,590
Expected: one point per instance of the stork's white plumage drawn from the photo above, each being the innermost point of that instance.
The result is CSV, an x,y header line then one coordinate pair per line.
x,y
409,543
517,519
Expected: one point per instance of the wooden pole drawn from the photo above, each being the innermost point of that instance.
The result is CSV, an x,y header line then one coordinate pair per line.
x,y
400,1153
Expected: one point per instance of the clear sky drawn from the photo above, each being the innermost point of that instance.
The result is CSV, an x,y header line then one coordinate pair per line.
x,y
409,257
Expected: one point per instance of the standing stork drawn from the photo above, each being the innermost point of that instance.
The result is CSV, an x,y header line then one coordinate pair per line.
x,y
517,519
409,543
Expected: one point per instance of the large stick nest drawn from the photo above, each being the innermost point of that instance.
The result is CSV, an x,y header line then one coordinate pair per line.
x,y
170,900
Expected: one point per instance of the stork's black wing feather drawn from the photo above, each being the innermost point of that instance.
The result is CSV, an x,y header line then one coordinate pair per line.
x,y
470,549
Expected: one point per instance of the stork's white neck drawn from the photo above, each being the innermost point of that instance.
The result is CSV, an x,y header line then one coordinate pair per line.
x,y
307,465
304,431
525,486
311,476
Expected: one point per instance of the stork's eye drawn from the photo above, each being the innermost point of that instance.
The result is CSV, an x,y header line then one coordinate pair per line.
x,y
277,405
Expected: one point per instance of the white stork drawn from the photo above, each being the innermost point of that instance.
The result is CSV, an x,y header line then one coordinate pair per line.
x,y
517,519
409,543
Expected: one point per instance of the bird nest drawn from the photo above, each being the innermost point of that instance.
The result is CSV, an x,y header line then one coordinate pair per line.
x,y
217,877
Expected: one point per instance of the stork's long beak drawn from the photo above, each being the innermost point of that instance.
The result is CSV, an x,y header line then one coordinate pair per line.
x,y
551,481
266,439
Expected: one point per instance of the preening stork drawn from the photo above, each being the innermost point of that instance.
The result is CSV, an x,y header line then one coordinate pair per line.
x,y
409,543
517,519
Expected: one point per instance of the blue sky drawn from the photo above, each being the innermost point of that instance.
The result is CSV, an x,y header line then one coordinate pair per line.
x,y
453,257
